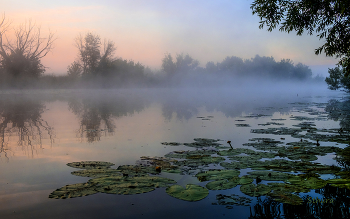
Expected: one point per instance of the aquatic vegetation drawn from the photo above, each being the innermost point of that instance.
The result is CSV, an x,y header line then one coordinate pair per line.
x,y
271,123
306,125
171,143
232,200
94,173
221,184
288,188
270,175
278,131
234,165
136,170
285,197
74,190
255,190
228,183
307,182
340,183
204,142
129,185
90,164
242,125
216,175
190,193
301,118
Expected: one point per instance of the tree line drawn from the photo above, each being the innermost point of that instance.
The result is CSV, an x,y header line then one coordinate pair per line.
x,y
97,66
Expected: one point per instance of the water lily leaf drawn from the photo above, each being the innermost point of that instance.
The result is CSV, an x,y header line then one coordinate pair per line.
x,y
242,125
286,198
221,184
94,173
246,158
204,142
230,152
171,143
229,183
74,190
233,165
216,175
288,188
255,190
130,185
309,183
200,161
190,193
243,180
90,164
233,200
136,170
340,183
270,175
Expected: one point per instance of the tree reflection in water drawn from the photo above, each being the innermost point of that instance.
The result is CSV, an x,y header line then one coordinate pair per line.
x,y
333,204
96,113
340,111
21,117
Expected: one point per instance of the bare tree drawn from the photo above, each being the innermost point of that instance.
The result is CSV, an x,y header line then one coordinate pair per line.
x,y
22,55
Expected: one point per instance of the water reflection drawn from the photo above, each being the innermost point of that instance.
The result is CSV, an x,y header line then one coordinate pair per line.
x,y
333,204
97,114
339,111
20,117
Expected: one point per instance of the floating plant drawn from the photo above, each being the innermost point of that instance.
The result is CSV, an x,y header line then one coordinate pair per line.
x,y
129,185
216,175
190,193
94,173
269,175
242,125
287,198
255,190
203,142
232,200
74,190
90,164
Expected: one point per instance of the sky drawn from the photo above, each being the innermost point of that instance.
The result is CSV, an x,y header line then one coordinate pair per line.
x,y
145,30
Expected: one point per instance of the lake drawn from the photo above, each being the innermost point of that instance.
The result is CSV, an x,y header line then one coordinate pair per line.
x,y
44,130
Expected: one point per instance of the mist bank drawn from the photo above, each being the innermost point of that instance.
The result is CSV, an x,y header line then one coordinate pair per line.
x,y
180,71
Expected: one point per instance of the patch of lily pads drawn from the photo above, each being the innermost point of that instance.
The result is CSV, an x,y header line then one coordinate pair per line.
x,y
90,164
233,199
190,193
255,190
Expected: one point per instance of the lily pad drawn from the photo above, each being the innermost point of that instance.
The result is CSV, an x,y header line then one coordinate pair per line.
x,y
171,143
94,173
270,175
340,183
190,193
90,164
136,170
74,190
309,183
233,165
216,175
233,200
221,184
288,188
204,142
255,190
130,185
287,198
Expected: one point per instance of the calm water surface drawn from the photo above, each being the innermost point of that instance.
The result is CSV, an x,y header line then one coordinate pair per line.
x,y
43,130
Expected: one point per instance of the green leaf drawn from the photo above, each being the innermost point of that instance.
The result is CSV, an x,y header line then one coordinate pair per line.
x,y
190,193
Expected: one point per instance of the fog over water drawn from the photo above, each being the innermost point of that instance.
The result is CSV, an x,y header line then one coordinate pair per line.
x,y
43,130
